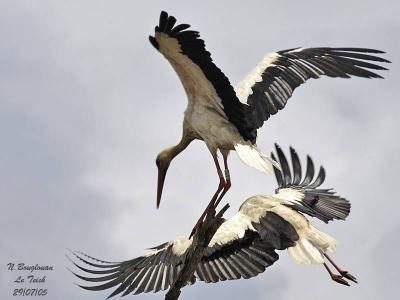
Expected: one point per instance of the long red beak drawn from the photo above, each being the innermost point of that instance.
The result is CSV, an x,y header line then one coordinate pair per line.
x,y
160,184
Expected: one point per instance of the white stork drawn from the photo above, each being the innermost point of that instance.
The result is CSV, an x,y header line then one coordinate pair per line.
x,y
226,118
244,245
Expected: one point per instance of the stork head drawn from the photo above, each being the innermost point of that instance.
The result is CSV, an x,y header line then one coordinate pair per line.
x,y
162,161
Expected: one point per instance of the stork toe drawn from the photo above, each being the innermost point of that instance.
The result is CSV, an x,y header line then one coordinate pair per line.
x,y
339,279
347,275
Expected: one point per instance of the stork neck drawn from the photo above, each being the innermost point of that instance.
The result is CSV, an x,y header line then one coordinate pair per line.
x,y
182,145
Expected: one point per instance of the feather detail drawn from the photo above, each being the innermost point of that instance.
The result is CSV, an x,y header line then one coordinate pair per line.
x,y
253,157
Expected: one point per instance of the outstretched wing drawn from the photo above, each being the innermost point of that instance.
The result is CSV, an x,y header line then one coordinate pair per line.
x,y
203,81
243,257
267,88
150,273
304,195
239,249
242,248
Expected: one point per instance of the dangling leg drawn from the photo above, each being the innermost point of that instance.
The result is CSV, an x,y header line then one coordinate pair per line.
x,y
221,187
228,183
344,273
336,277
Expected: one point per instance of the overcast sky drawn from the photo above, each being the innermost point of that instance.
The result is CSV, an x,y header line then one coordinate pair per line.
x,y
86,104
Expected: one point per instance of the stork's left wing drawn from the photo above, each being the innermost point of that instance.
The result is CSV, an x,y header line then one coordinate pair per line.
x,y
305,195
271,83
203,81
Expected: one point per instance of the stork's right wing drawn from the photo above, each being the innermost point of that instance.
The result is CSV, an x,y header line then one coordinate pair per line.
x,y
243,247
153,272
240,248
244,256
304,195
268,87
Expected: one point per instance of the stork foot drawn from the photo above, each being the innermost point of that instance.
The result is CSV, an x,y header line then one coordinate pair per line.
x,y
339,279
342,273
347,275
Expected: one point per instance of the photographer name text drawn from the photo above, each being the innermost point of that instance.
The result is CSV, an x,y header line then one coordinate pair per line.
x,y
30,279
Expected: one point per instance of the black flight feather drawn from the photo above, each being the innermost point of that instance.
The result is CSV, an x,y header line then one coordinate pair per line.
x,y
320,203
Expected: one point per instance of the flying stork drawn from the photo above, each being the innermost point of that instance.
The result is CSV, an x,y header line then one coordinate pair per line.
x,y
244,245
227,118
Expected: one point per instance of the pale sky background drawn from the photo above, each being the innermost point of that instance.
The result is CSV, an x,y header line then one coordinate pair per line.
x,y
86,104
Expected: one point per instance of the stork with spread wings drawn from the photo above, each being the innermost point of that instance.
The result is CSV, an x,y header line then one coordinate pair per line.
x,y
227,118
244,245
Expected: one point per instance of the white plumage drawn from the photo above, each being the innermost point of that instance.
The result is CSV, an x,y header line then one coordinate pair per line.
x,y
227,118
244,88
244,245
309,248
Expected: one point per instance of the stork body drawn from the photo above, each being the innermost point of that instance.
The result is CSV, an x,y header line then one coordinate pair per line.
x,y
244,245
227,118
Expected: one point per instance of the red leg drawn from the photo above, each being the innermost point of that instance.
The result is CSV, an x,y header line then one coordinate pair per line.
x,y
228,183
336,277
342,272
221,187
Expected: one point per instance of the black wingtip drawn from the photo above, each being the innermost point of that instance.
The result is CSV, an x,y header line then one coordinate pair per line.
x,y
316,202
278,173
154,42
355,49
163,20
296,166
292,151
170,23
309,172
320,178
287,176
